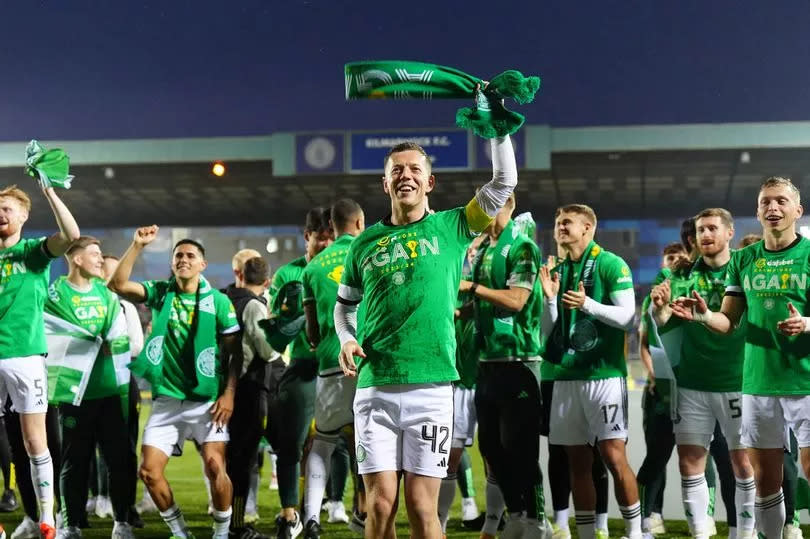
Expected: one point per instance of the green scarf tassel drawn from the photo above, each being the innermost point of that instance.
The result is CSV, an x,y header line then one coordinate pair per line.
x,y
50,167
489,118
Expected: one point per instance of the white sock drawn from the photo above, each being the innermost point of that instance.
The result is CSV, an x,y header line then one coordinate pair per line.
x,y
586,524
770,514
42,478
695,493
732,532
601,521
561,518
447,493
318,466
495,507
745,493
173,517
632,520
222,521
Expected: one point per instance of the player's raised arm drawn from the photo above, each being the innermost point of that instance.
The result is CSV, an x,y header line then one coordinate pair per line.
x,y
69,232
119,282
495,193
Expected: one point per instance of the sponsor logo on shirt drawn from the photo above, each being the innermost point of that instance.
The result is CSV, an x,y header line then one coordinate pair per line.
x,y
761,263
336,273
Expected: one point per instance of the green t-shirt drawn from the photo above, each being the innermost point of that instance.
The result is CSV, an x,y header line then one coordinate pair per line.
x,y
709,362
466,347
408,277
286,295
767,281
600,348
24,272
646,319
321,278
511,335
90,311
179,370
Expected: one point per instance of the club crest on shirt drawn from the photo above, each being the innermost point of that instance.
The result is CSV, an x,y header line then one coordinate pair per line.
x,y
154,350
206,362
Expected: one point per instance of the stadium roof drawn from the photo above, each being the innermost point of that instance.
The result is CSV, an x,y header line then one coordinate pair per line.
x,y
623,172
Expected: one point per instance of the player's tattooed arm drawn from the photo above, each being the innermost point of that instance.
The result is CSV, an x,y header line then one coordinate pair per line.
x,y
223,407
646,358
313,328
512,299
694,308
119,282
69,232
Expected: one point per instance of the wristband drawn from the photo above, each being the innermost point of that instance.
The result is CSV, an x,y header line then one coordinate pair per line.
x,y
703,318
473,287
806,324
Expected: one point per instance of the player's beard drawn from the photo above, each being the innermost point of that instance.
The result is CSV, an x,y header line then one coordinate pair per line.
x,y
711,250
9,229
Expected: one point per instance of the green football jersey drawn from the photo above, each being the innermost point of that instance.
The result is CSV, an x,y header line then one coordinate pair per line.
x,y
286,293
709,362
179,371
511,335
466,347
408,277
321,278
768,281
94,311
597,350
24,272
646,319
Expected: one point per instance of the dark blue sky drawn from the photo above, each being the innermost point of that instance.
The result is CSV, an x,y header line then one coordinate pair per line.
x,y
83,69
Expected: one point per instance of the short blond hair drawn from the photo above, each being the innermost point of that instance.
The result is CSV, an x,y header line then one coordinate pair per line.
x,y
12,191
780,181
722,213
242,256
579,209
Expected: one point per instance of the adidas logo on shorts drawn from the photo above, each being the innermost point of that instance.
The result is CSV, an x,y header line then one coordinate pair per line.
x,y
616,428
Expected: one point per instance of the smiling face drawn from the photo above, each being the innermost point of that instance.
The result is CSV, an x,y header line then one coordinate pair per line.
x,y
187,261
408,179
713,235
12,216
778,208
89,261
571,228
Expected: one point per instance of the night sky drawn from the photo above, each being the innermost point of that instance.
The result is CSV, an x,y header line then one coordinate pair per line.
x,y
82,69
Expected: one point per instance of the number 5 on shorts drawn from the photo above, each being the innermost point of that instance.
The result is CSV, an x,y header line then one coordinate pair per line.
x,y
734,405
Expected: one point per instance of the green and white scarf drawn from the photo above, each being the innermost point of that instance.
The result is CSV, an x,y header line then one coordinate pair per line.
x,y
72,351
49,167
202,338
563,337
398,79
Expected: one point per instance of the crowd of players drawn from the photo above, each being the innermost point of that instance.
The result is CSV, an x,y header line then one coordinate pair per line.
x,y
403,338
